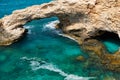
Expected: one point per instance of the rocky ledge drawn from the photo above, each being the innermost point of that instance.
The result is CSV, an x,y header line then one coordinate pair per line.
x,y
80,19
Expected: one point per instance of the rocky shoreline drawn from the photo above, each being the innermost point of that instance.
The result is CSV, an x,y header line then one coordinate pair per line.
x,y
98,54
79,19
83,18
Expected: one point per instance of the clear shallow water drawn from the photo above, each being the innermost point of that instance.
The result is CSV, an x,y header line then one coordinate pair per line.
x,y
112,47
43,54
111,41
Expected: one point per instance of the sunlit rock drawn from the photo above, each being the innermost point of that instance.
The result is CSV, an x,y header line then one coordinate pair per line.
x,y
83,18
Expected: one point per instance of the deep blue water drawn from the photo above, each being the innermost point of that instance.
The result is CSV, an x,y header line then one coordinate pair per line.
x,y
43,54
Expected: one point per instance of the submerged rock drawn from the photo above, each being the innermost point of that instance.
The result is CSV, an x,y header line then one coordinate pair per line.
x,y
100,57
80,58
82,18
109,78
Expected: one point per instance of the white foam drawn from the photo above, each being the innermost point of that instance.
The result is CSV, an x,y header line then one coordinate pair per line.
x,y
47,66
75,77
50,25
67,37
36,65
29,28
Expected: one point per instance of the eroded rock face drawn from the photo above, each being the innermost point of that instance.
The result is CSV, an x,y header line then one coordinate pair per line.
x,y
81,18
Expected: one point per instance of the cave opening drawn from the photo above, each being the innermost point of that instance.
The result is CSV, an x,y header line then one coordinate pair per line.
x,y
110,40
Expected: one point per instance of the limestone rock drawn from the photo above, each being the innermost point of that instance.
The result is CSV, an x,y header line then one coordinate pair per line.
x,y
82,18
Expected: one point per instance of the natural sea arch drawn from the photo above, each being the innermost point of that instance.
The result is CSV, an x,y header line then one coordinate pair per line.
x,y
12,26
82,18
77,17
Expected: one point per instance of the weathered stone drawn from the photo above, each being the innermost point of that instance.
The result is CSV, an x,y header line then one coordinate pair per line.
x,y
83,18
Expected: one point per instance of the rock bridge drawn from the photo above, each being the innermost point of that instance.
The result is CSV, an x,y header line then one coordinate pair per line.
x,y
82,18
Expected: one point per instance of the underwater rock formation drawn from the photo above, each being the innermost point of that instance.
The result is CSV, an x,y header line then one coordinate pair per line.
x,y
82,18
100,57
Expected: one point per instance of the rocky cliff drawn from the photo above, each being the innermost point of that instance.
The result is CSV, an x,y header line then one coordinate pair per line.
x,y
82,18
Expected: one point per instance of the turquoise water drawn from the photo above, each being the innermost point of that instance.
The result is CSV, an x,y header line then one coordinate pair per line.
x,y
43,54
112,44
112,47
111,41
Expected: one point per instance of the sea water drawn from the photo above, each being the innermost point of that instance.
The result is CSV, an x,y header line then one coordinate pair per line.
x,y
44,53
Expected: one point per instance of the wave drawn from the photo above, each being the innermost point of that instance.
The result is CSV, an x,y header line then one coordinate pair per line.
x,y
29,28
37,64
67,37
50,25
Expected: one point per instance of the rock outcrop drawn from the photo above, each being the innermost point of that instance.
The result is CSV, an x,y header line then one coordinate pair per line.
x,y
82,18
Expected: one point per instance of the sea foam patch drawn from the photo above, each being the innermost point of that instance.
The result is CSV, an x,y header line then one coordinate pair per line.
x,y
37,64
50,25
29,27
67,37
